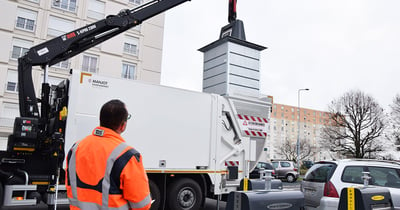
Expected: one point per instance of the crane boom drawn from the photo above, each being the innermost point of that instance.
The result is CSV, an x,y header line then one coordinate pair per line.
x,y
72,43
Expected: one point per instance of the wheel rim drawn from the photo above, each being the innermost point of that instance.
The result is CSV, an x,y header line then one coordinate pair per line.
x,y
290,178
186,198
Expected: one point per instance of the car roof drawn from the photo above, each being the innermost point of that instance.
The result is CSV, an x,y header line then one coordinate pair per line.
x,y
362,162
264,162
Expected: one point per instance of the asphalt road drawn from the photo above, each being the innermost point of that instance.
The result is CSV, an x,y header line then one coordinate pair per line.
x,y
210,204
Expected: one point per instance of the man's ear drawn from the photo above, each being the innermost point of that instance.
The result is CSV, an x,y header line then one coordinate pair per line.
x,y
122,127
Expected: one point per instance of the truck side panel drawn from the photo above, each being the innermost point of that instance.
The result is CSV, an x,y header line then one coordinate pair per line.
x,y
172,128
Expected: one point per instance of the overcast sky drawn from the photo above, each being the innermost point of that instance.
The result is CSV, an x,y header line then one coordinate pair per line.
x,y
328,46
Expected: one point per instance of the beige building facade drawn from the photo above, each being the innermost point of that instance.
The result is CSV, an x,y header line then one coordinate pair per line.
x,y
284,123
134,55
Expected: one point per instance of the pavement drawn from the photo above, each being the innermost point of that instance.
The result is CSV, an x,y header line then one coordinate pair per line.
x,y
211,204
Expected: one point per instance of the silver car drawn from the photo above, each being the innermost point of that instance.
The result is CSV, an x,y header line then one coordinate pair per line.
x,y
325,180
284,169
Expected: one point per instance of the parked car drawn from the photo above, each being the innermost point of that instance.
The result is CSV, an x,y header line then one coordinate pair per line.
x,y
285,169
255,174
308,163
324,181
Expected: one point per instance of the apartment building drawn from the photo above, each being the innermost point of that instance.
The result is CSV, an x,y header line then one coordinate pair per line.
x,y
134,55
284,123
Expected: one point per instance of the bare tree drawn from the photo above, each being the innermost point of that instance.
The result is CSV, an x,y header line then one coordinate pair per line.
x,y
393,131
288,150
395,119
357,121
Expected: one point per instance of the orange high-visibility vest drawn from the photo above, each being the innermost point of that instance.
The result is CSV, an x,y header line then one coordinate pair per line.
x,y
103,172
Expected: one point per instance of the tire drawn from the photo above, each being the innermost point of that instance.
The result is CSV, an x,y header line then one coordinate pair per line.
x,y
155,195
290,178
184,194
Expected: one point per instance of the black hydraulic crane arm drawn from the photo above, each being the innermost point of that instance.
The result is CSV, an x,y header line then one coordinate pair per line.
x,y
232,11
77,41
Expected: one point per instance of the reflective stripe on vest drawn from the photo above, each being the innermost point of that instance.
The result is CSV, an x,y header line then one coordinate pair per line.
x,y
105,182
88,205
140,204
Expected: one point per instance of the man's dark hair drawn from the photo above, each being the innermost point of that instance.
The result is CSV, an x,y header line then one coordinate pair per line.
x,y
113,114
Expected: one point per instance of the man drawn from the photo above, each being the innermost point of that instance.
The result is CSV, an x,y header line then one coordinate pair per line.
x,y
103,172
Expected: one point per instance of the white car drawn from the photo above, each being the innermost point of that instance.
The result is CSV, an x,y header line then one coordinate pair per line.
x,y
325,180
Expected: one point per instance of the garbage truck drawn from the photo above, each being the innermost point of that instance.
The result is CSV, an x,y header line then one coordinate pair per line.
x,y
194,145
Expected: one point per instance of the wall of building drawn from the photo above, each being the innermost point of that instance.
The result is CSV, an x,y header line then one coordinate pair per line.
x,y
284,126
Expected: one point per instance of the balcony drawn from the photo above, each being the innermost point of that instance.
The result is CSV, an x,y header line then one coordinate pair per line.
x,y
7,123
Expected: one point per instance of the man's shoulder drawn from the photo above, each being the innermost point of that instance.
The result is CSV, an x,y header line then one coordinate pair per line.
x,y
132,152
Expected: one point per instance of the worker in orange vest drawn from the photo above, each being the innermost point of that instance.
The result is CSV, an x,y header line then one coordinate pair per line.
x,y
103,172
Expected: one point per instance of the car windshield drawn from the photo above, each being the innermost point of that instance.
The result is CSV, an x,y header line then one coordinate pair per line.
x,y
320,172
264,165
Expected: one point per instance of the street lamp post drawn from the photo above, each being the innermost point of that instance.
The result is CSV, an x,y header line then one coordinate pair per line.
x,y
298,127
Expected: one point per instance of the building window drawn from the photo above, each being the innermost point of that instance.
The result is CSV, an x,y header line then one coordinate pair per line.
x,y
137,28
12,81
62,64
54,80
96,9
51,81
138,2
20,47
26,19
59,26
131,45
67,5
128,71
89,63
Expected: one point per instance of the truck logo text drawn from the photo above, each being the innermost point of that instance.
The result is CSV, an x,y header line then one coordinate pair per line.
x,y
279,206
99,83
86,29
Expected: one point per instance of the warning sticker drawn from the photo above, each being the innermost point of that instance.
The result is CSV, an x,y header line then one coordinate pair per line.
x,y
253,126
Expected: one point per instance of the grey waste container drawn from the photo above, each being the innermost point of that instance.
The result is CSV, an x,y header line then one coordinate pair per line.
x,y
370,198
263,199
259,184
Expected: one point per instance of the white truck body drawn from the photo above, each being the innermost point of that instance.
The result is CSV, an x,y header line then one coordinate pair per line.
x,y
177,131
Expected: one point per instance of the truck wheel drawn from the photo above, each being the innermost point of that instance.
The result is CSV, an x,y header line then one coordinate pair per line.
x,y
184,194
290,178
155,195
